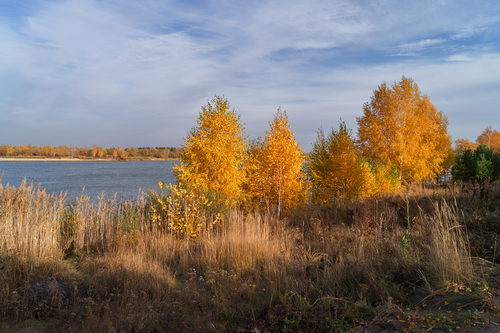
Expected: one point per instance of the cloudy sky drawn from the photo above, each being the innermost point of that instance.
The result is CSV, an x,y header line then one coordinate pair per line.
x,y
136,73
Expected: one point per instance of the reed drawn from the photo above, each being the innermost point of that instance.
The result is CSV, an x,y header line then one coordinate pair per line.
x,y
101,227
316,269
30,221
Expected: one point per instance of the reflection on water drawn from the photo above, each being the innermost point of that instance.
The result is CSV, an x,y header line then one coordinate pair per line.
x,y
123,178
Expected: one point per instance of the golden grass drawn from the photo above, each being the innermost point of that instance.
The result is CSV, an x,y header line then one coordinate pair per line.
x,y
128,273
449,253
30,221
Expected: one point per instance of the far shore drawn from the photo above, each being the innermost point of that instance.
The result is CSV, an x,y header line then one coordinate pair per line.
x,y
2,159
21,159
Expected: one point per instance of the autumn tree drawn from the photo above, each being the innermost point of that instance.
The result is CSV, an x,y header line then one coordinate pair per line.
x,y
254,186
123,154
100,152
382,178
447,163
462,145
275,167
490,138
62,151
9,150
401,127
49,151
336,169
214,152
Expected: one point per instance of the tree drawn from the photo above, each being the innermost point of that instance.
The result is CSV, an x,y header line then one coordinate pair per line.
x,y
123,154
100,152
479,168
490,138
214,152
336,169
49,151
254,185
447,163
384,178
481,164
275,167
401,127
461,145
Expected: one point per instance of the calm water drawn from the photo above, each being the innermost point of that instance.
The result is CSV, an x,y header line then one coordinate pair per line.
x,y
124,178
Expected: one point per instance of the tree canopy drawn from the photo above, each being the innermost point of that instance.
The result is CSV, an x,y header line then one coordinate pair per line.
x,y
400,126
479,164
274,167
214,152
490,138
335,167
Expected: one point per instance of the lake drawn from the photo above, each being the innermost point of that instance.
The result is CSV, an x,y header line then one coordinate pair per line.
x,y
126,178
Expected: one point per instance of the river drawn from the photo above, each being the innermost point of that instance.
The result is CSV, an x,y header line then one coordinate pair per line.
x,y
125,178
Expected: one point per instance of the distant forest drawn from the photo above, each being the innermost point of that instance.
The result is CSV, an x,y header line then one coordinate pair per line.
x,y
119,153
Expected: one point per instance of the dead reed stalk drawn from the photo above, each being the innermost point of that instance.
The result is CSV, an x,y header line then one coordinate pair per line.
x,y
30,221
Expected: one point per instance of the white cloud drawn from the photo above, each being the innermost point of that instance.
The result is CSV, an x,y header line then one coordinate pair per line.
x,y
459,57
422,44
130,73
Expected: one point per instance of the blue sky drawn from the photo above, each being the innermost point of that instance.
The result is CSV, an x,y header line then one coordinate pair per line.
x,y
136,73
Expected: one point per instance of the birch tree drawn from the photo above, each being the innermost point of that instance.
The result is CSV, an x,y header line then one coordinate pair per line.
x,y
276,176
401,127
214,152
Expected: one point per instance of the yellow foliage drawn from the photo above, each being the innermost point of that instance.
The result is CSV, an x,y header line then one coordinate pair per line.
x,y
275,177
214,152
338,171
254,185
184,208
400,126
335,168
462,145
490,138
384,178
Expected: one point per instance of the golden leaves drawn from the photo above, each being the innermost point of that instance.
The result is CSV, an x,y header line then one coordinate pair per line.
x,y
490,138
274,167
214,152
338,170
400,126
335,169
401,137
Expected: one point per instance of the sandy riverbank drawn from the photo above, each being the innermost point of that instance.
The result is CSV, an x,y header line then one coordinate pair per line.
x,y
17,159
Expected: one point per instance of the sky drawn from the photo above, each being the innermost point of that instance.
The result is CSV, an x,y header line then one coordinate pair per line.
x,y
136,73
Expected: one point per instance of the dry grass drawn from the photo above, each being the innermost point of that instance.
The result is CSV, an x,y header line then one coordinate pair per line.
x,y
318,269
449,253
30,221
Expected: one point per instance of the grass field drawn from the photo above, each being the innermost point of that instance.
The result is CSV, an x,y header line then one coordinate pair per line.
x,y
424,259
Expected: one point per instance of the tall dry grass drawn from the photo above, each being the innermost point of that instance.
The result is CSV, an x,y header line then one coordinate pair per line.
x,y
449,253
318,267
30,221
88,227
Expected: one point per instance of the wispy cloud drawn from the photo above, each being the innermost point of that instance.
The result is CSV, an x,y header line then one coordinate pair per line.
x,y
416,48
459,57
137,73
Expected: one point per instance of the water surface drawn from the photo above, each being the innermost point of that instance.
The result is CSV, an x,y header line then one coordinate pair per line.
x,y
125,178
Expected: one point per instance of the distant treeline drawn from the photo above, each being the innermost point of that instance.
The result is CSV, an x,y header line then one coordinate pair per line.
x,y
90,152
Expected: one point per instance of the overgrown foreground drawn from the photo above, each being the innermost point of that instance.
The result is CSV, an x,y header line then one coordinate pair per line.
x,y
415,261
